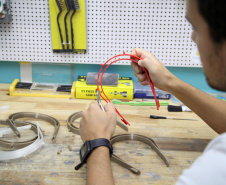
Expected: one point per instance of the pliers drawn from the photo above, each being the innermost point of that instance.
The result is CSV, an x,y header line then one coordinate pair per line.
x,y
99,101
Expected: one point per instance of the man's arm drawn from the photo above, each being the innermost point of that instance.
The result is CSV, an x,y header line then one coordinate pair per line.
x,y
99,167
95,124
210,109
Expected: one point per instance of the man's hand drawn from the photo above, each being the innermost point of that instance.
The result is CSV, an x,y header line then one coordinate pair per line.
x,y
158,73
96,123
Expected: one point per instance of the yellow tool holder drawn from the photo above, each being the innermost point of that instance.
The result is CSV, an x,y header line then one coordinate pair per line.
x,y
79,28
13,91
124,90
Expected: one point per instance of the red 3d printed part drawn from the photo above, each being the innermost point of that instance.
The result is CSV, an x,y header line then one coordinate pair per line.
x,y
105,96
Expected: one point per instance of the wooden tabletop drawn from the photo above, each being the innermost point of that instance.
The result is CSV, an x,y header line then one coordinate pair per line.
x,y
180,141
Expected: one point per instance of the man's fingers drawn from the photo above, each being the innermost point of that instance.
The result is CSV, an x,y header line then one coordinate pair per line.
x,y
137,52
137,68
141,77
145,82
94,105
109,108
84,113
146,63
134,52
81,126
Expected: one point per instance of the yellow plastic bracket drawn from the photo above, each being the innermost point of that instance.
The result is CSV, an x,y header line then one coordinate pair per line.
x,y
12,87
73,90
13,92
24,62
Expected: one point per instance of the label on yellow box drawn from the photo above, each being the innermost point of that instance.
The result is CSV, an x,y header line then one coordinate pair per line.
x,y
124,90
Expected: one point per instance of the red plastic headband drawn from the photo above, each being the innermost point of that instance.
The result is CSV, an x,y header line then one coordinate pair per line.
x,y
149,80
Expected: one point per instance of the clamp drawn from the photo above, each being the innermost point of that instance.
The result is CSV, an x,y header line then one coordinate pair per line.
x,y
99,101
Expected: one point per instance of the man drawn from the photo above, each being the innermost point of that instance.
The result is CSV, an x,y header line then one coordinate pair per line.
x,y
208,18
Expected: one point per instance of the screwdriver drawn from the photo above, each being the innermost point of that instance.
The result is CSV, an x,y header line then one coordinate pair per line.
x,y
162,117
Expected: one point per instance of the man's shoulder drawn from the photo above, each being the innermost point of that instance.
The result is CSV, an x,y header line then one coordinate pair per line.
x,y
210,167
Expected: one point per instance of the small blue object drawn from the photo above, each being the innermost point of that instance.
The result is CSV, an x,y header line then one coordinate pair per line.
x,y
145,92
221,97
175,100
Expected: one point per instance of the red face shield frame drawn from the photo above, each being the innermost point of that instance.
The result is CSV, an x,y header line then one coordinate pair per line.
x,y
104,96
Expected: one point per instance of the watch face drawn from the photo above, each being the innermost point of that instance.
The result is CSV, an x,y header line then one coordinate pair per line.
x,y
83,150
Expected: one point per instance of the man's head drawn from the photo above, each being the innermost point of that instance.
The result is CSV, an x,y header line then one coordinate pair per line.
x,y
208,19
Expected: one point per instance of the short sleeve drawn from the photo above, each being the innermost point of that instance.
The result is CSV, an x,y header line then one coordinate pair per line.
x,y
210,168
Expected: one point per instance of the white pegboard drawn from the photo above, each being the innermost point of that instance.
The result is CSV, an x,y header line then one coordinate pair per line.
x,y
113,26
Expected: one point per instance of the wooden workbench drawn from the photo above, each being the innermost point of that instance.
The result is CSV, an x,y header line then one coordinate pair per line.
x,y
181,142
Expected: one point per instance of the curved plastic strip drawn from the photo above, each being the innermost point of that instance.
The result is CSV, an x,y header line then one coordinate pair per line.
x,y
72,128
5,107
34,115
135,137
122,163
24,151
11,145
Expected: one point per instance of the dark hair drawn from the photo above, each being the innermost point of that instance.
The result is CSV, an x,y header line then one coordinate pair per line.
x,y
214,12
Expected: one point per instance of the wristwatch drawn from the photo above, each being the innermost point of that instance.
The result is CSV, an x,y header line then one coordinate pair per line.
x,y
89,146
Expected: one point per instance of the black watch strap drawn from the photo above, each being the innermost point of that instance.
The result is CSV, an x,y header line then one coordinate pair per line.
x,y
94,144
101,142
79,166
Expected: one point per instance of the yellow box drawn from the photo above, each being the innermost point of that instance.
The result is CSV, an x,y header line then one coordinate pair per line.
x,y
124,90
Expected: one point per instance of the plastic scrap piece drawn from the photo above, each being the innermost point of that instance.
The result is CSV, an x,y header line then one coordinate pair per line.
x,y
7,155
5,107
